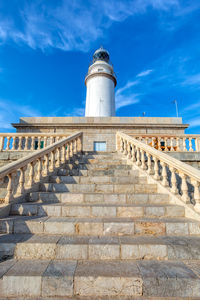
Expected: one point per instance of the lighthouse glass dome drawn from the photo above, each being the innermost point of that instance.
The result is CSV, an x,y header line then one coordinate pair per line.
x,y
101,54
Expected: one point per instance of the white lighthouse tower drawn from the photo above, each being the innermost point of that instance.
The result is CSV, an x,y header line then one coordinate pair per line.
x,y
100,82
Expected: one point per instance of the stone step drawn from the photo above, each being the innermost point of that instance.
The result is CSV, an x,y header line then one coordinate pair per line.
x,y
93,211
98,188
109,172
100,226
102,166
56,278
27,246
112,198
107,160
97,179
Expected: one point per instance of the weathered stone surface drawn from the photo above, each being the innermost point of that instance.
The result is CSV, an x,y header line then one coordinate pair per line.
x,y
104,252
99,211
144,252
57,280
168,279
58,226
89,228
177,228
75,211
150,228
110,278
37,247
118,228
130,212
24,278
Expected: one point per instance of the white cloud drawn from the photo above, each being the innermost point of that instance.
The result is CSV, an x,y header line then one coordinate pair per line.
x,y
127,86
144,73
71,25
125,100
192,80
194,122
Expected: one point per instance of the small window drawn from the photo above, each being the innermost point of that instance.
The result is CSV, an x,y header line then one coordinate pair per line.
x,y
99,70
99,146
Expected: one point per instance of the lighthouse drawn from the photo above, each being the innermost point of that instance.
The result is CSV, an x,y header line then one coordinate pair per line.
x,y
100,82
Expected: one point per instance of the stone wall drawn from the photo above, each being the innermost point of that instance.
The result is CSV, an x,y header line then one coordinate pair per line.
x,y
101,128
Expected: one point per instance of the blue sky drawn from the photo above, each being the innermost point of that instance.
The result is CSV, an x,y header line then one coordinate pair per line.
x,y
46,47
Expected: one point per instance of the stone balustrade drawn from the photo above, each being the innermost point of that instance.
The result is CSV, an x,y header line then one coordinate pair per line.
x,y
28,141
179,143
179,177
21,175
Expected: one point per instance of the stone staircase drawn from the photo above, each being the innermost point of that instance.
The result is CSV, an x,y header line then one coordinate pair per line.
x,y
98,230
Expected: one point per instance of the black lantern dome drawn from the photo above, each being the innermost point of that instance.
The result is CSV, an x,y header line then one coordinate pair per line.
x,y
101,54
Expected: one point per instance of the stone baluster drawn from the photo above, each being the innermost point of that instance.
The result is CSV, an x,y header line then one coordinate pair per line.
x,y
166,144
9,194
45,141
156,169
58,157
20,143
153,142
143,163
39,143
14,144
51,140
8,143
196,191
26,143
39,169
171,143
1,142
173,181
71,149
138,163
184,145
20,189
52,162
63,153
133,153
125,148
32,143
197,144
67,151
190,145
149,164
121,145
75,146
79,143
46,165
164,174
159,144
184,188
31,175
129,150
178,144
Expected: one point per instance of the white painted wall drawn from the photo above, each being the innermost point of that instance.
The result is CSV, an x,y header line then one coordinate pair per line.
x,y
100,98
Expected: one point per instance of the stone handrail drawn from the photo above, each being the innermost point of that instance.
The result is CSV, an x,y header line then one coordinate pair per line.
x,y
28,141
173,173
163,142
37,165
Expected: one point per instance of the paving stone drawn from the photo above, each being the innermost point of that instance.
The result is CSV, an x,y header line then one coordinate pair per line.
x,y
150,228
110,278
168,279
118,228
24,278
58,226
57,280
